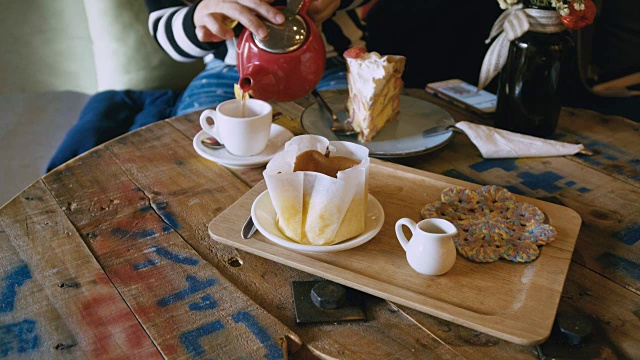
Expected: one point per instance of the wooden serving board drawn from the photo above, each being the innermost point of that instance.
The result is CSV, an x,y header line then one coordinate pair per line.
x,y
512,301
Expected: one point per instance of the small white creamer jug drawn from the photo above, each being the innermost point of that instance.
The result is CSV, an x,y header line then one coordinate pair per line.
x,y
430,250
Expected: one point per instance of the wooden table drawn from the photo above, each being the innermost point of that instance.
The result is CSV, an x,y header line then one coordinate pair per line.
x,y
109,255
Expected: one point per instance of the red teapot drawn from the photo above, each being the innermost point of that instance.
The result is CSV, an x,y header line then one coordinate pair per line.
x,y
289,63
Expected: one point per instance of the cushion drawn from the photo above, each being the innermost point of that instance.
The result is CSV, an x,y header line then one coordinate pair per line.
x,y
126,55
45,46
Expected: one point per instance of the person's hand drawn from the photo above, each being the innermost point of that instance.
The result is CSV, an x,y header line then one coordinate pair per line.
x,y
321,10
210,17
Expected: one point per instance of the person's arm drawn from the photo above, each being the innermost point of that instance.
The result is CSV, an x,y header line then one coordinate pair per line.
x,y
171,24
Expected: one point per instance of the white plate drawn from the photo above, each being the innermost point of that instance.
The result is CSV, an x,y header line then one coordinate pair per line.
x,y
401,138
264,217
277,138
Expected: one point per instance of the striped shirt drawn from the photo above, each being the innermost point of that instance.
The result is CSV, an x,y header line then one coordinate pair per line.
x,y
171,24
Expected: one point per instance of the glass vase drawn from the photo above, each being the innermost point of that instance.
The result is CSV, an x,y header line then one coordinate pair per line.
x,y
532,82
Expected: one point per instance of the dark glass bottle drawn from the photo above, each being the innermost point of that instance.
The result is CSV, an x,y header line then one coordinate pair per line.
x,y
532,81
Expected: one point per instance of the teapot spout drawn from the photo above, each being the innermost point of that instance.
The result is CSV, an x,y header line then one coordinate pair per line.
x,y
259,82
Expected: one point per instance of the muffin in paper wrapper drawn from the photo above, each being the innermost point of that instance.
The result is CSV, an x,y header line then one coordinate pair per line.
x,y
314,208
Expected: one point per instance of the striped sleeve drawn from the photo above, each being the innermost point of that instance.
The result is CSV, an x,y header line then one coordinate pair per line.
x,y
345,29
174,30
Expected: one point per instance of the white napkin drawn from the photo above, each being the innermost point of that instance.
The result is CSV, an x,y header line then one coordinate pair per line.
x,y
495,143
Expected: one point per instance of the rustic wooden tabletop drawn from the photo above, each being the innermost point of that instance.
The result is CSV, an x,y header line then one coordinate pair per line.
x,y
109,256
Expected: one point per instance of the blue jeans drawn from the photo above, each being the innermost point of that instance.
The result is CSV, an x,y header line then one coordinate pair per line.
x,y
215,84
112,113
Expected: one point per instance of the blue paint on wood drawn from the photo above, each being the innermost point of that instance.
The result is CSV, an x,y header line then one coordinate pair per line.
x,y
207,302
514,189
18,338
170,218
193,286
595,144
583,190
176,258
618,264
167,229
145,264
618,169
191,339
161,206
12,281
569,183
122,233
581,138
591,160
458,175
590,143
273,350
543,181
504,164
629,235
166,254
166,216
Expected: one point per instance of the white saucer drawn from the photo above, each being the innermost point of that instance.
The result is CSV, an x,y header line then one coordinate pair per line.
x,y
278,137
264,217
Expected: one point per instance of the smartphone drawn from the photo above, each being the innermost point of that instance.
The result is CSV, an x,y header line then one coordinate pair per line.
x,y
464,95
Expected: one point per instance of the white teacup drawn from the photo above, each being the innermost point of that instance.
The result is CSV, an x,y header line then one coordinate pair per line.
x,y
242,133
430,250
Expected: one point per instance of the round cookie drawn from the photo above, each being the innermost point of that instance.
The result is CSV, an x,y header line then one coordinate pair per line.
x,y
520,251
460,197
445,211
538,234
475,248
495,198
526,213
439,210
491,224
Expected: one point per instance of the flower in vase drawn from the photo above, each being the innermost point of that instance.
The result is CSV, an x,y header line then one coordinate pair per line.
x,y
580,15
505,4
574,14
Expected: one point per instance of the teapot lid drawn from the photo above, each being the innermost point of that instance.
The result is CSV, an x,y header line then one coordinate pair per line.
x,y
287,36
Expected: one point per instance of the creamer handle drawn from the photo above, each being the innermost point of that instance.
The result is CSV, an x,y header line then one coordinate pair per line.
x,y
400,235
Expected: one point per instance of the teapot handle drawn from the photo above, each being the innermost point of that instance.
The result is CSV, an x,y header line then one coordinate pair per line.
x,y
400,235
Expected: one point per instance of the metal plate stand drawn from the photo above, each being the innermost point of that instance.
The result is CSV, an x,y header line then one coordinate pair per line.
x,y
326,302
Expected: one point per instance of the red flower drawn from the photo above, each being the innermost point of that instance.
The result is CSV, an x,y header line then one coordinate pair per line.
x,y
577,19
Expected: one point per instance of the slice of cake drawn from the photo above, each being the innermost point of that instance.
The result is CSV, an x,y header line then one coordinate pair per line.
x,y
375,83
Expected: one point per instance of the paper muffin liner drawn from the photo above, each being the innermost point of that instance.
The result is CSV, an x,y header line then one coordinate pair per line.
x,y
314,208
